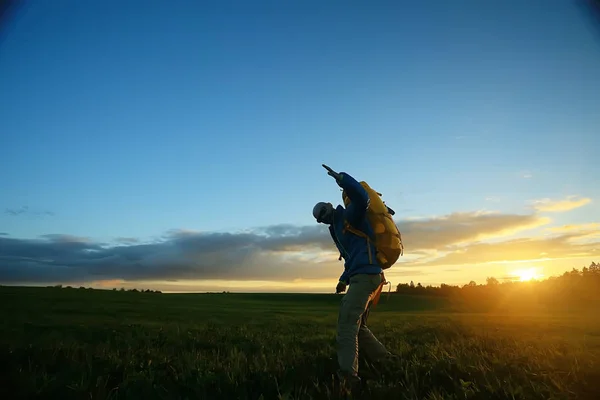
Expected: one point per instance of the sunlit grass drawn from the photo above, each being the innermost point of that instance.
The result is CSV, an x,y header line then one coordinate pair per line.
x,y
95,344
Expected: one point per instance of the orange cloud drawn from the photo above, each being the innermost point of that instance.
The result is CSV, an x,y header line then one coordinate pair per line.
x,y
108,283
517,250
461,254
593,226
570,203
438,232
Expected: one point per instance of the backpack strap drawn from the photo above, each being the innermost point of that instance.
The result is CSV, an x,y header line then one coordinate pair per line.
x,y
351,229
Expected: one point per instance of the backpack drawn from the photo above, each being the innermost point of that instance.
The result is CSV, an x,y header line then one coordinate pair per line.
x,y
387,240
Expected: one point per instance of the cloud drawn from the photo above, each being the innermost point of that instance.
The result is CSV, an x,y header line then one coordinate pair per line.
x,y
24,210
559,247
275,253
509,278
525,174
109,283
56,238
14,212
570,203
3,234
593,226
127,240
238,256
456,228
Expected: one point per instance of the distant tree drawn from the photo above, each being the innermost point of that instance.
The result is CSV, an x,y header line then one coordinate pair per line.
x,y
575,288
492,281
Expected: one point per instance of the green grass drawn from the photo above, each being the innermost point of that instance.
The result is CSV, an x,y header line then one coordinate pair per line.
x,y
71,343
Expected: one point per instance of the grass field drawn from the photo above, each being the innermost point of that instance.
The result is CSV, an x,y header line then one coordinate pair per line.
x,y
75,344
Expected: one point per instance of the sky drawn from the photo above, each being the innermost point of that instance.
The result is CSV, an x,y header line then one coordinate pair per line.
x,y
178,145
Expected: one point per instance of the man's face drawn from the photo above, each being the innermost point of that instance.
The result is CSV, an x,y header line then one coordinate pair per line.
x,y
325,215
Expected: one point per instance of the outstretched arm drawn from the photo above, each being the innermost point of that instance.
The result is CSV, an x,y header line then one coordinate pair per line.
x,y
359,199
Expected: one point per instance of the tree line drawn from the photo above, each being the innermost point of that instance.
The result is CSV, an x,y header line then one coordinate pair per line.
x,y
575,286
114,289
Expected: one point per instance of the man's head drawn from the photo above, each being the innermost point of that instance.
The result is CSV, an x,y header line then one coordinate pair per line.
x,y
323,212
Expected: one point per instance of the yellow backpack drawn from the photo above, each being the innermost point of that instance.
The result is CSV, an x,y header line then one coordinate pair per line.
x,y
387,240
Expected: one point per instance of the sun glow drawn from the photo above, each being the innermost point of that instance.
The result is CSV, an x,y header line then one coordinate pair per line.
x,y
526,274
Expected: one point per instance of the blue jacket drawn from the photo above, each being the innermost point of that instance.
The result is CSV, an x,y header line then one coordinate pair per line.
x,y
352,247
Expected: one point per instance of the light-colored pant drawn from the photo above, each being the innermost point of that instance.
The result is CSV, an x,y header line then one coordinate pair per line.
x,y
352,330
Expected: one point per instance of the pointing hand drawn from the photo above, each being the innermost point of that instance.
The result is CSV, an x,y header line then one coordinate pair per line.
x,y
332,173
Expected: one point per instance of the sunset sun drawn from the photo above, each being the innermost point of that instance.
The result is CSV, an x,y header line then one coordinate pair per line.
x,y
526,274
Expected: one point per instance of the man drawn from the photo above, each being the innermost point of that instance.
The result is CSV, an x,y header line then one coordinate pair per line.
x,y
361,271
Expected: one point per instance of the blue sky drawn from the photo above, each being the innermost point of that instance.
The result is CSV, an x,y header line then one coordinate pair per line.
x,y
128,119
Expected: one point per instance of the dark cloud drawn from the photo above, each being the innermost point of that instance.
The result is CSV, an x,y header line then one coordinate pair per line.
x,y
294,238
24,210
181,255
14,211
127,240
59,238
276,253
